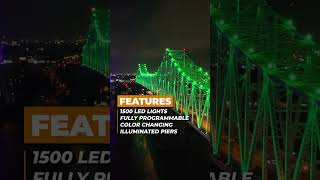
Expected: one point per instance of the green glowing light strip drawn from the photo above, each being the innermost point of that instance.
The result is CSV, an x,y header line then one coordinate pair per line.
x,y
187,82
96,51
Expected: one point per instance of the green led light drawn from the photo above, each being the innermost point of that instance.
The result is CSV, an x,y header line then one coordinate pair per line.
x,y
292,77
235,37
175,79
308,37
289,22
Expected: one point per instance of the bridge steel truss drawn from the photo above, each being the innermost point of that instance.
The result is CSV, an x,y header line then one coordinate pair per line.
x,y
266,91
96,51
188,83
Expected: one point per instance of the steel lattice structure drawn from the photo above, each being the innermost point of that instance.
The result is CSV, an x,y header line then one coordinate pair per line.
x,y
96,51
266,91
187,82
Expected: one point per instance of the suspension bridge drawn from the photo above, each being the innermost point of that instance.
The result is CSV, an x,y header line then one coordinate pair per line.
x,y
96,51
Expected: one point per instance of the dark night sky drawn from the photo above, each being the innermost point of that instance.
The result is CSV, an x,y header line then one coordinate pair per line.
x,y
141,30
305,14
44,19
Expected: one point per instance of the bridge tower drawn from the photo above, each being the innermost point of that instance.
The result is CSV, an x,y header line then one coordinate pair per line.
x,y
96,51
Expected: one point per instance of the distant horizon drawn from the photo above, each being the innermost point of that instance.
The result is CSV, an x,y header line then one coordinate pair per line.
x,y
15,38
